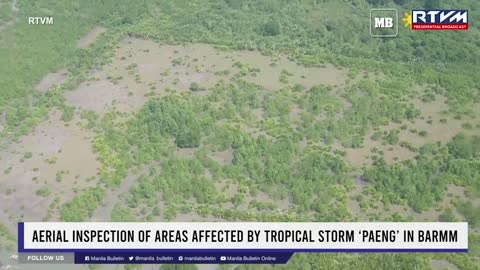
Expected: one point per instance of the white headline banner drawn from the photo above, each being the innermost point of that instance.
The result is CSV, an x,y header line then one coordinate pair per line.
x,y
245,235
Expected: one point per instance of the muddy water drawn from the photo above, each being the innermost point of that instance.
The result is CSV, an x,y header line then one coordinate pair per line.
x,y
436,132
453,194
223,157
52,79
230,189
140,67
104,212
90,37
270,73
55,156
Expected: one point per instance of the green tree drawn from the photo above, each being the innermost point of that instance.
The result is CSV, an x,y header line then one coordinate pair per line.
x,y
431,4
272,28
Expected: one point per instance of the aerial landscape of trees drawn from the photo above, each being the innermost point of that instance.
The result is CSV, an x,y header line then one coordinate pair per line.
x,y
289,148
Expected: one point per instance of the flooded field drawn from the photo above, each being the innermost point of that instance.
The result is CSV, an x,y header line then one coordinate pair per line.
x,y
103,213
223,157
55,161
231,189
271,70
90,37
52,79
453,195
143,68
437,125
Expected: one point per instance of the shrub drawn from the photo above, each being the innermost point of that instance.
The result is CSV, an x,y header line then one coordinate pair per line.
x,y
43,191
272,28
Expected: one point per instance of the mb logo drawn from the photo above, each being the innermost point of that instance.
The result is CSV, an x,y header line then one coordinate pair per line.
x,y
383,22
